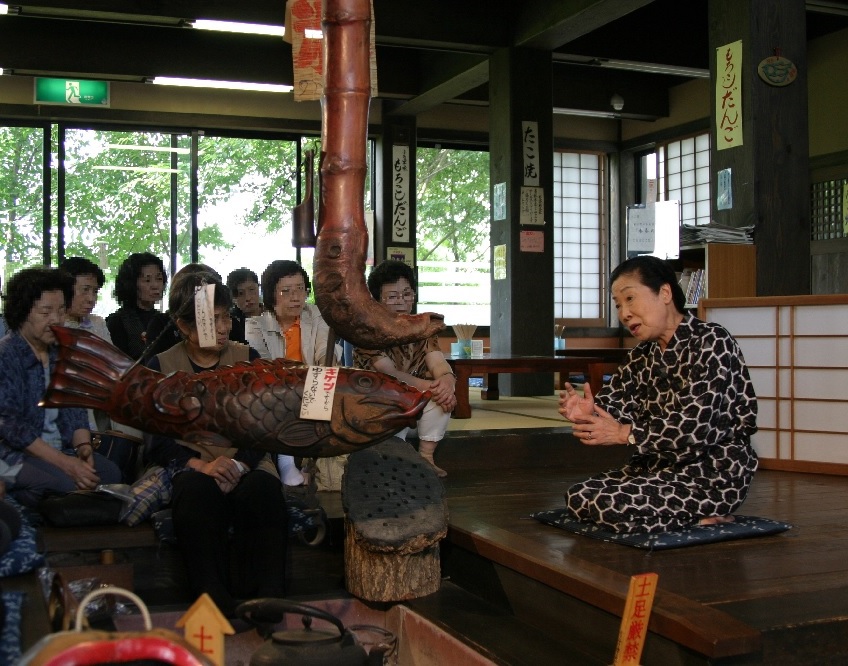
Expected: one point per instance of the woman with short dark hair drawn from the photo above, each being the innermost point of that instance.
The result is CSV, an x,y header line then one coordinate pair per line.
x,y
683,400
289,328
43,451
219,489
88,281
140,283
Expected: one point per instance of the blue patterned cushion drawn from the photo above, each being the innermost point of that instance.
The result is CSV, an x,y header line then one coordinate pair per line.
x,y
22,556
10,635
743,527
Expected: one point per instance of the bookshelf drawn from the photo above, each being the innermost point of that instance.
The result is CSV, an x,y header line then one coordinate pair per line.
x,y
728,270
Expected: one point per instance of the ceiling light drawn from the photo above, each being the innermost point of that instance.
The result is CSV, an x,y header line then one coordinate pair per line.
x,y
227,85
632,66
617,102
655,68
233,26
4,9
585,112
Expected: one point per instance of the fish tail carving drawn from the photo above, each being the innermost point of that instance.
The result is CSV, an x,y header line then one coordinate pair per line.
x,y
339,265
89,371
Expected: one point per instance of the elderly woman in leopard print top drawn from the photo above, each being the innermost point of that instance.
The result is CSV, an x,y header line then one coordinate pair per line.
x,y
683,399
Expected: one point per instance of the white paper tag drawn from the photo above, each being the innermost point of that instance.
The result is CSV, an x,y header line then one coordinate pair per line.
x,y
318,392
204,314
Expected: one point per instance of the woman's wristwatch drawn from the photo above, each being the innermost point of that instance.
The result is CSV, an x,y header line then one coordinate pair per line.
x,y
77,447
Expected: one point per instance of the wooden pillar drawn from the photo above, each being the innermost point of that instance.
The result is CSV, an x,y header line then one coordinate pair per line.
x,y
770,170
395,215
522,300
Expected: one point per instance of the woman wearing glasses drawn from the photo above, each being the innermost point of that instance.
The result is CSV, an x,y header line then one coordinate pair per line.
x,y
420,364
289,328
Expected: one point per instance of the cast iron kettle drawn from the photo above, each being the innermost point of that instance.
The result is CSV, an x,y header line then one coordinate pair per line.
x,y
307,646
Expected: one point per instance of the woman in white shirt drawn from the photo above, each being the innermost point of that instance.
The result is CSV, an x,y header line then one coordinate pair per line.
x,y
290,328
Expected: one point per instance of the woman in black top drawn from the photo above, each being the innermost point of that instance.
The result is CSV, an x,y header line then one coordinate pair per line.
x,y
140,284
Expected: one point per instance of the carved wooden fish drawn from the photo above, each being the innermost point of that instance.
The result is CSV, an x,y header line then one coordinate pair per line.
x,y
247,405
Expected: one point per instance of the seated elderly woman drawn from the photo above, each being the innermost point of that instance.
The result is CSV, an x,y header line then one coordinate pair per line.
x,y
290,328
420,364
88,281
216,489
42,451
140,283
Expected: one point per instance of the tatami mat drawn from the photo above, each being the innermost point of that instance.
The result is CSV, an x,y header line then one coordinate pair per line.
x,y
510,413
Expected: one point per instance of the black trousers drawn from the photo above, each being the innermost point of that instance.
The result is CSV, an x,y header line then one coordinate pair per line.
x,y
233,544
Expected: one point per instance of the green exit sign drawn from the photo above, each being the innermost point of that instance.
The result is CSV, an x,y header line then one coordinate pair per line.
x,y
72,92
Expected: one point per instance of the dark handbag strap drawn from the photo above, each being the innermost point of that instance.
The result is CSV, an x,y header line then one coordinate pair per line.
x,y
330,356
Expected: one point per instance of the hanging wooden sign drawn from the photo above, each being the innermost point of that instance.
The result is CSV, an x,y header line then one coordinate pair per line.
x,y
777,71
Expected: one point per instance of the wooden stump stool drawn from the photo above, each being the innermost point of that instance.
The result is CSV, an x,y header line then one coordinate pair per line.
x,y
395,515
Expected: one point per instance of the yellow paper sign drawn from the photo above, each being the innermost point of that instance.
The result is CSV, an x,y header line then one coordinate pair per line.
x,y
728,111
845,209
634,621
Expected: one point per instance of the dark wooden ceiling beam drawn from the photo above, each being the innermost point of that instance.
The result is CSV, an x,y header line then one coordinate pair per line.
x,y
445,91
550,24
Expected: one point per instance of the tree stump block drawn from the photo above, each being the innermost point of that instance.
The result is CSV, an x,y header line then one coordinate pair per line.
x,y
395,516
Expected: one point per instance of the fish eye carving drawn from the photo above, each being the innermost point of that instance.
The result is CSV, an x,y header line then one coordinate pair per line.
x,y
364,382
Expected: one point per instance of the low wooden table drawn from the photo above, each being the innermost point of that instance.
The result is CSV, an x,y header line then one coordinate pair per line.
x,y
492,365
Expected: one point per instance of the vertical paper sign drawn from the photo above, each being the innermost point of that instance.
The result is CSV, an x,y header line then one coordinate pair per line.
x,y
845,209
400,194
729,95
499,262
651,199
204,314
318,392
530,151
532,206
724,190
303,32
499,203
634,621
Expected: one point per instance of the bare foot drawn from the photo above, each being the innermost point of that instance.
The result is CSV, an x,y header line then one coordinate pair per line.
x,y
716,520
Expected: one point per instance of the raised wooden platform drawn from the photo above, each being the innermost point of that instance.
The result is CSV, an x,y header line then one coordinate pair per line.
x,y
770,600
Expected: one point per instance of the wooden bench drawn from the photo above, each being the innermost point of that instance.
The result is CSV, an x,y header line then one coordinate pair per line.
x,y
583,361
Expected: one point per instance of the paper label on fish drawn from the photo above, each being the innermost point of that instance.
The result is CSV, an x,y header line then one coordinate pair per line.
x,y
204,314
318,392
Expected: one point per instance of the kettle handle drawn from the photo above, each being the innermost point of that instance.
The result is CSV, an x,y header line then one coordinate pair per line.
x,y
264,613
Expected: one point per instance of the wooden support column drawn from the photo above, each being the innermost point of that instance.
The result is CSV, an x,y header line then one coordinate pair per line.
x,y
522,302
395,216
770,170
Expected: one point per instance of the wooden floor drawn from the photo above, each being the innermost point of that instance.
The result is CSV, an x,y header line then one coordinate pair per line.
x,y
779,599
527,593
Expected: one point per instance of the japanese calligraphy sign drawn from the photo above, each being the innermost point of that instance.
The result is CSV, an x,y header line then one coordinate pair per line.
x,y
531,241
530,151
499,262
204,314
634,621
308,49
845,209
532,210
400,194
318,392
729,95
641,229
